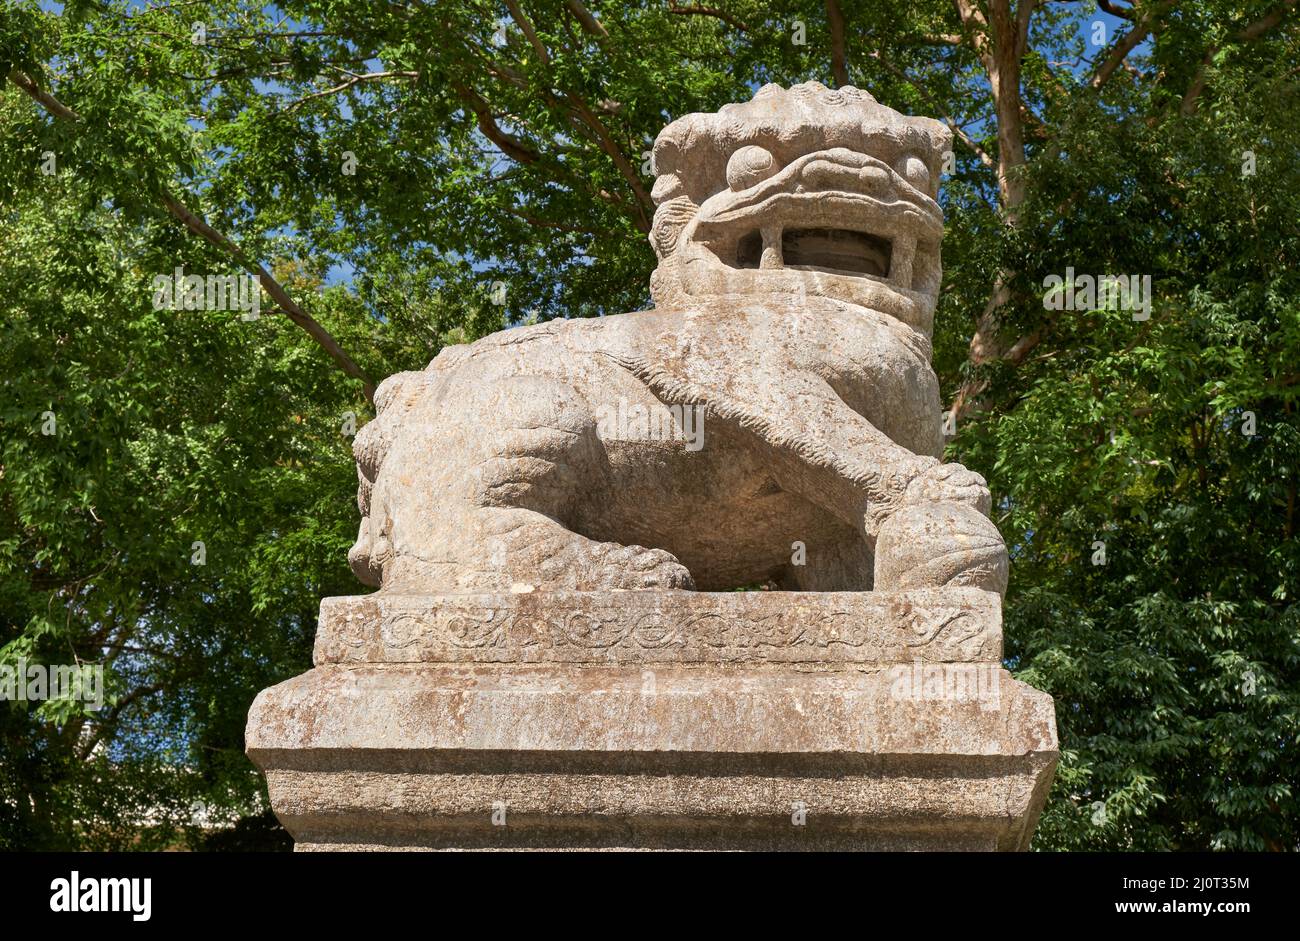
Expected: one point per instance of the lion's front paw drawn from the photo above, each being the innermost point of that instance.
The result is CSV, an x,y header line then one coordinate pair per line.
x,y
950,483
933,545
637,567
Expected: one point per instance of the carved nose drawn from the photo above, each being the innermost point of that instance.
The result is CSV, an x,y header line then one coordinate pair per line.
x,y
873,178
829,175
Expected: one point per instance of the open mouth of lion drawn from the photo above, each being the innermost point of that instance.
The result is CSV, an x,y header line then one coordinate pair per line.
x,y
836,251
837,213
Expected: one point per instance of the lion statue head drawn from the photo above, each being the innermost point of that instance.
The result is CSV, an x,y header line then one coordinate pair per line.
x,y
808,191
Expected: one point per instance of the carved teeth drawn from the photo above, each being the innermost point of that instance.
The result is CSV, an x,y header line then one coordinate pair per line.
x,y
904,256
772,256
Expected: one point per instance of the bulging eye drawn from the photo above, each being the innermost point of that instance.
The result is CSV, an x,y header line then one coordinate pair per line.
x,y
914,170
750,166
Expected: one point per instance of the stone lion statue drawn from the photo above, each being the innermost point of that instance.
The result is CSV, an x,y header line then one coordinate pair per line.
x,y
774,418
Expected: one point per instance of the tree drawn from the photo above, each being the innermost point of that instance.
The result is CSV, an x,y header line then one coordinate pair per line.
x,y
410,174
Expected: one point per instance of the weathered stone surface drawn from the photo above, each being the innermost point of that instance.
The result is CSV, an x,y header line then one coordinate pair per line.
x,y
675,757
546,708
759,405
558,516
962,624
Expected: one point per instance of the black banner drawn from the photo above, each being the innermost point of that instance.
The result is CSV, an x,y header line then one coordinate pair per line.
x,y
209,891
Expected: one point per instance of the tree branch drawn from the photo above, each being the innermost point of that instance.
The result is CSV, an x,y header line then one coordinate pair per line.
x,y
937,39
197,225
584,17
42,97
839,57
354,80
1024,11
1247,34
292,310
998,41
547,224
1127,43
708,11
1124,13
612,150
526,27
522,153
956,128
509,145
1001,41
1118,54
107,725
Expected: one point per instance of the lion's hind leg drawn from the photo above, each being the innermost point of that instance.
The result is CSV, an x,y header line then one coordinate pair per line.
x,y
477,498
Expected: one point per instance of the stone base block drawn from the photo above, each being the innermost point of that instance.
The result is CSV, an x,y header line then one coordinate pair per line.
x,y
663,756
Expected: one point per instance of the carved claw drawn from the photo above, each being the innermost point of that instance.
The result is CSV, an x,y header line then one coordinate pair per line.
x,y
950,483
932,545
637,567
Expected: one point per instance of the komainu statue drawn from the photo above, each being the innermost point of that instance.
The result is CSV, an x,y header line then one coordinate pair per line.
x,y
787,357
557,515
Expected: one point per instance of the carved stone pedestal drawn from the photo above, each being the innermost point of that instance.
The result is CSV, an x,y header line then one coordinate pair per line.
x,y
658,720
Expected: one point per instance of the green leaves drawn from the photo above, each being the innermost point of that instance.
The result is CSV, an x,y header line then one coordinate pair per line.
x,y
425,174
